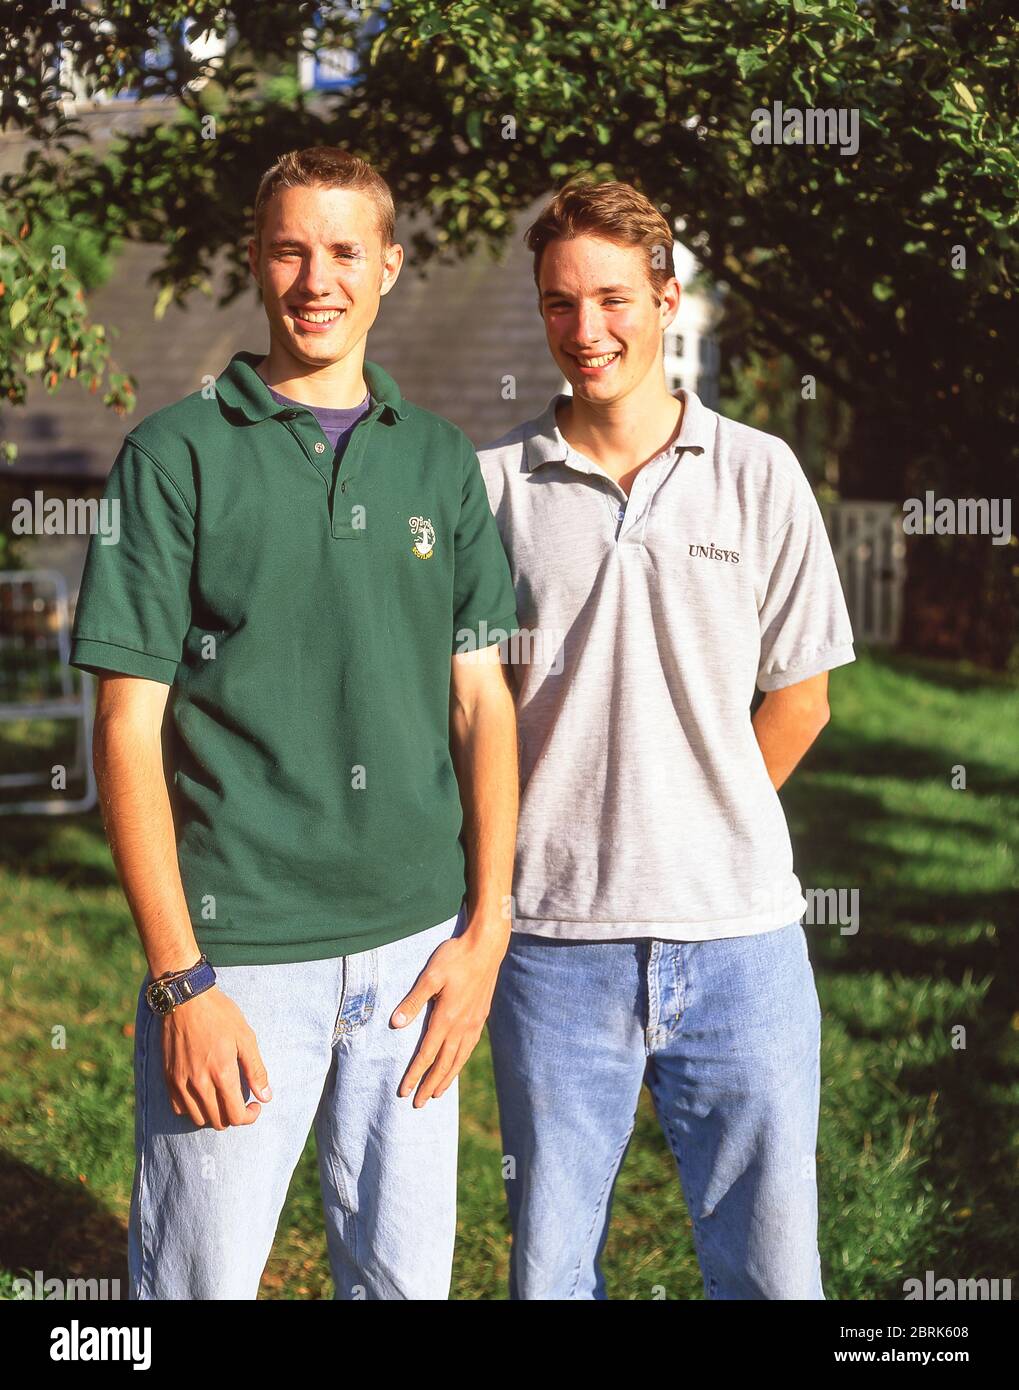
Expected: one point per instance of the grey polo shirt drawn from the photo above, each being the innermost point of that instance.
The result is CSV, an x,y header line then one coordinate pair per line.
x,y
646,808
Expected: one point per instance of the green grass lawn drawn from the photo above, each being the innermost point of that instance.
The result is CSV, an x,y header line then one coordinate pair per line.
x,y
920,1060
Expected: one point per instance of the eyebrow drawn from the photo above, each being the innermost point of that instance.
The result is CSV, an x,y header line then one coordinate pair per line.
x,y
605,289
351,247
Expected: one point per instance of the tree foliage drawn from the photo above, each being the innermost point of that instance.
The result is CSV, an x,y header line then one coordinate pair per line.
x,y
888,273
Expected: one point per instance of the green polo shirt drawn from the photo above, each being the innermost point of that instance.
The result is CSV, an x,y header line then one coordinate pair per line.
x,y
305,615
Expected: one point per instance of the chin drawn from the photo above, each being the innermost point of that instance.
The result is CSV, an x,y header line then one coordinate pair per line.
x,y
597,390
318,354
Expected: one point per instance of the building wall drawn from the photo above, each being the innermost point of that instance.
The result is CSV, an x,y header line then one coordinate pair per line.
x,y
691,344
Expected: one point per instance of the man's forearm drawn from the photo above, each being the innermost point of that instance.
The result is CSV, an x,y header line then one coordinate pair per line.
x,y
788,722
485,756
139,825
461,974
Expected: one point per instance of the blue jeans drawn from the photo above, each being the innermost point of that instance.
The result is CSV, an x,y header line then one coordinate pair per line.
x,y
726,1033
206,1202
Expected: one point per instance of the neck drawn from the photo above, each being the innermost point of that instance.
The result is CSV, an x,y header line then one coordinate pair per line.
x,y
623,434
340,385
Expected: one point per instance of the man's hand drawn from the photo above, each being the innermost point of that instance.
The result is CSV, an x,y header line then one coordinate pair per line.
x,y
460,976
204,1039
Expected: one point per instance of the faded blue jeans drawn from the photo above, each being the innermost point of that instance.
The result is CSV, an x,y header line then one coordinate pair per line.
x,y
206,1202
726,1033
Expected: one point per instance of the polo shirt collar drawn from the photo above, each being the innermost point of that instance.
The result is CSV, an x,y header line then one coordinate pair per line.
x,y
241,388
545,442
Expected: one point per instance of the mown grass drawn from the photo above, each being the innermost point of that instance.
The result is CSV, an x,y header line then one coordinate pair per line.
x,y
920,1061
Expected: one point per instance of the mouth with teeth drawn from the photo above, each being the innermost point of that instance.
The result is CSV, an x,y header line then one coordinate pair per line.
x,y
310,320
595,366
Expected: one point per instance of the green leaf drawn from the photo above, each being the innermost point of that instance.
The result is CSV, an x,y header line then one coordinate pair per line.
x,y
19,312
750,61
376,48
474,127
965,95
163,300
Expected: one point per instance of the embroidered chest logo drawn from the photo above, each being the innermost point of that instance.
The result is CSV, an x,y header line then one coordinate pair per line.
x,y
424,537
712,552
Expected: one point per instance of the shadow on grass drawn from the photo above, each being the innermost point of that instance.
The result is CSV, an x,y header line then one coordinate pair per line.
x,y
57,1227
949,675
891,758
838,839
41,847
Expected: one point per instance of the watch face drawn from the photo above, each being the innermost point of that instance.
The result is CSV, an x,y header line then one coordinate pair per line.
x,y
160,999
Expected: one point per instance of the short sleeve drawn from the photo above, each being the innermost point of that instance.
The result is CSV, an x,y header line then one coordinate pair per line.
x,y
805,627
484,605
133,609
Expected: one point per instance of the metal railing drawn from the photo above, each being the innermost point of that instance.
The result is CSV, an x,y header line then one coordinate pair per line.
x,y
37,684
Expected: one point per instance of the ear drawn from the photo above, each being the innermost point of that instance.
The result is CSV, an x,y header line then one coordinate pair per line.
x,y
253,261
669,307
392,264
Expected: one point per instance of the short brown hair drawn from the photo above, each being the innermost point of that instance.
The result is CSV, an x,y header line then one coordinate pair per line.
x,y
615,211
327,167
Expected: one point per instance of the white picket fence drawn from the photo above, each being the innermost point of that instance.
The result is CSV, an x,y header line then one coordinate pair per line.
x,y
870,551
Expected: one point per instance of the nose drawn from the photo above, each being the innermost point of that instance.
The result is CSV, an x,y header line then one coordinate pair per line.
x,y
587,326
314,279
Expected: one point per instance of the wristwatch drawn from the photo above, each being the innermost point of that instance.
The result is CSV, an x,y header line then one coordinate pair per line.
x,y
177,987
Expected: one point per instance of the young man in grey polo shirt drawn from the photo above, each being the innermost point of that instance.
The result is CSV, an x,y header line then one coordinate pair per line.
x,y
666,560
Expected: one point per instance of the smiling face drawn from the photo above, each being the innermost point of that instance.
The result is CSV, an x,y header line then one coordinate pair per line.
x,y
322,269
603,326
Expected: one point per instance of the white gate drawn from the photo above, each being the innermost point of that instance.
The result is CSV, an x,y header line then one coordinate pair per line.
x,y
870,551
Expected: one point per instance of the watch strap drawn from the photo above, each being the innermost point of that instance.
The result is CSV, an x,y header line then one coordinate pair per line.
x,y
177,989
183,987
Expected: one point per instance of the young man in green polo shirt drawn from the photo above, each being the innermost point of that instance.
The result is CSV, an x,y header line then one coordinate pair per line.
x,y
305,565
